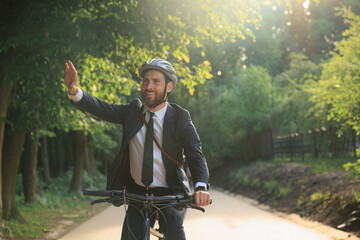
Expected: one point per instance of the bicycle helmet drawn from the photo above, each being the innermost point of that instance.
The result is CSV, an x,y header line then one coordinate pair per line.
x,y
161,65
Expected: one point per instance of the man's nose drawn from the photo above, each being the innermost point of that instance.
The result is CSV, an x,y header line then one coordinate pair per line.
x,y
150,85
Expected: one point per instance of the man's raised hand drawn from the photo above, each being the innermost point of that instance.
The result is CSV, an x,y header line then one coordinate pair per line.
x,y
71,78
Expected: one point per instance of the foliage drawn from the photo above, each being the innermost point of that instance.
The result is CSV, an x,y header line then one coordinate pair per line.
x,y
289,43
356,196
107,41
293,28
54,202
354,165
320,164
270,186
228,109
284,191
74,209
245,104
111,139
338,90
291,98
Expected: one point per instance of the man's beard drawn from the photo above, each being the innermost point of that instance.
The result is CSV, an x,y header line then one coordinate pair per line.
x,y
153,99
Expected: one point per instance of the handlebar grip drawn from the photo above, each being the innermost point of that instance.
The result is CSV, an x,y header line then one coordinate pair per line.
x,y
98,193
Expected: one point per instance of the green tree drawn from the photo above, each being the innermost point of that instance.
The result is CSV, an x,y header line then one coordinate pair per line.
x,y
108,40
245,106
269,45
291,101
229,109
337,92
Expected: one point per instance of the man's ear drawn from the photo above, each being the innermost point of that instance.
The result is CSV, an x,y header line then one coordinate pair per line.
x,y
170,87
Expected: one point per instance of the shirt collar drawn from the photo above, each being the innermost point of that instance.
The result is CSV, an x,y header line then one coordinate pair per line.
x,y
160,114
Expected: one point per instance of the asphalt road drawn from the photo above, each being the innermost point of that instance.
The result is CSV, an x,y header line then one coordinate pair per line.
x,y
229,217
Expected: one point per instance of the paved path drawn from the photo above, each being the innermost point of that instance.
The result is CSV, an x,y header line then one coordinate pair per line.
x,y
230,217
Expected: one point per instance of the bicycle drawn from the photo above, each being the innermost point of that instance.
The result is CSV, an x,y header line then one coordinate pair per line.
x,y
148,203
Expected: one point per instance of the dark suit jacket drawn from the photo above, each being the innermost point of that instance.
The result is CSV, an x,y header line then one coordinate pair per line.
x,y
179,138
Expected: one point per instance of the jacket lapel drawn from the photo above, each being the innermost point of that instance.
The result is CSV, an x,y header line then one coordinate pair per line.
x,y
167,128
134,128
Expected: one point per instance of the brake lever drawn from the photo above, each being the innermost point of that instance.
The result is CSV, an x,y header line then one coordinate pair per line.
x,y
196,207
106,200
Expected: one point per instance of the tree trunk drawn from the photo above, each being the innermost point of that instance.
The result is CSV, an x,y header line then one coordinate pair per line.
x,y
301,136
52,156
5,93
69,150
45,160
91,161
87,161
80,143
29,169
13,146
60,152
104,164
353,135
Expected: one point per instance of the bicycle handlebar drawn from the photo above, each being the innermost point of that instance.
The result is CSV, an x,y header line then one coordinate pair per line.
x,y
118,197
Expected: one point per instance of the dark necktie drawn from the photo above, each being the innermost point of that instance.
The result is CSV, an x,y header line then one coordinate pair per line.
x,y
147,169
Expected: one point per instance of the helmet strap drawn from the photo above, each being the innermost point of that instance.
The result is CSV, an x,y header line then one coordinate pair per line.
x,y
161,101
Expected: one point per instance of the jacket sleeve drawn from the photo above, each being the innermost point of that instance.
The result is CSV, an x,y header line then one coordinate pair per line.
x,y
109,112
193,151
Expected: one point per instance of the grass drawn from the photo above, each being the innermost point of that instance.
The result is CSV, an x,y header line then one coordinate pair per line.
x,y
319,165
283,191
356,195
54,203
322,163
271,186
42,219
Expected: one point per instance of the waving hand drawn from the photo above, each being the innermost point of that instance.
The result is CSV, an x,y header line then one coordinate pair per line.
x,y
71,78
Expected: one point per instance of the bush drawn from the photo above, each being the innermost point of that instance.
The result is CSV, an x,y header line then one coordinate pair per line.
x,y
53,202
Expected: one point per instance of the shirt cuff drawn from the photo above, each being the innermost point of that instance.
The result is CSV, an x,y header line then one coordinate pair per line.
x,y
201,184
77,97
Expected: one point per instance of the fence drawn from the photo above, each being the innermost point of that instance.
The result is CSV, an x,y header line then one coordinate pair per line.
x,y
316,142
264,145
